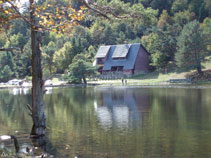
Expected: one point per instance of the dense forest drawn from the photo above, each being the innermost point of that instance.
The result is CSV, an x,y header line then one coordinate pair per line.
x,y
173,31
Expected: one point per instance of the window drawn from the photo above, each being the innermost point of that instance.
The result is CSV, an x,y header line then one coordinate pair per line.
x,y
100,61
119,58
117,68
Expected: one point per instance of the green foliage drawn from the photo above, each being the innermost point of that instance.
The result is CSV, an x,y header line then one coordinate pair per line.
x,y
206,33
161,4
179,5
198,7
48,52
58,39
191,47
161,45
80,69
19,26
3,39
208,6
182,18
164,20
155,23
5,74
17,40
63,57
152,44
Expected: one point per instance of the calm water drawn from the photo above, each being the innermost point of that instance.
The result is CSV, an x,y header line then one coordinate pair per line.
x,y
114,122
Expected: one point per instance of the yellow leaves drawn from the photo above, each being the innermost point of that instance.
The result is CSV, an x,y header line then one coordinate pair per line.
x,y
54,30
58,19
51,23
57,10
6,12
59,16
82,7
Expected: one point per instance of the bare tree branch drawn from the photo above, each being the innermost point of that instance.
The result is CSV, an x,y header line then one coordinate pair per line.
x,y
86,3
9,49
17,11
106,10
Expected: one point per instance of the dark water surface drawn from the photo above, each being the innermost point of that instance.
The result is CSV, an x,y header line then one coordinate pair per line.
x,y
114,122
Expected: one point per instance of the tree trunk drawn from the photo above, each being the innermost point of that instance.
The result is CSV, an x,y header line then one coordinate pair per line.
x,y
198,61
84,79
199,70
38,115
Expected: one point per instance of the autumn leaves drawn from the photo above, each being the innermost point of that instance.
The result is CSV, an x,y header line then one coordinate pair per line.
x,y
58,18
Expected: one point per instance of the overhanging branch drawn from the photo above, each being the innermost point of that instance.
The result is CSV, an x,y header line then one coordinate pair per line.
x,y
108,10
86,3
9,49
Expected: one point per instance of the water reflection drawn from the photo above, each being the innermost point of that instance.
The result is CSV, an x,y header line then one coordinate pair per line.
x,y
48,90
19,91
121,108
25,91
123,123
43,147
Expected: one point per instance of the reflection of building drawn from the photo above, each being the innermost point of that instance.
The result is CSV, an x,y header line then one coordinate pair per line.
x,y
121,107
48,90
24,91
17,91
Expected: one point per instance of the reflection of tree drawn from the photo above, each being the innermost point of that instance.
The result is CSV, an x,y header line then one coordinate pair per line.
x,y
172,125
12,113
45,144
14,117
175,121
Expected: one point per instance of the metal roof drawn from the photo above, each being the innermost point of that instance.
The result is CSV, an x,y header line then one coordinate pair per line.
x,y
102,52
127,63
121,51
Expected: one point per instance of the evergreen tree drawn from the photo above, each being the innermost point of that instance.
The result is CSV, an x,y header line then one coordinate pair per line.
x,y
108,36
179,5
206,31
5,74
191,47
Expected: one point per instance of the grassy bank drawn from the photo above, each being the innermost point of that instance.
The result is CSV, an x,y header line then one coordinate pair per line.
x,y
158,78
154,78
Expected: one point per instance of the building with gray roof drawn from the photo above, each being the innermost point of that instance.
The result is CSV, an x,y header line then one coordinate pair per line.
x,y
127,58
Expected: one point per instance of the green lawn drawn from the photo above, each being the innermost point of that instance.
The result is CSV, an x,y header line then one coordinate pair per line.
x,y
147,79
153,78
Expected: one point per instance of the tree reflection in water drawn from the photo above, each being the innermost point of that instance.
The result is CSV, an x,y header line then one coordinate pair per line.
x,y
115,122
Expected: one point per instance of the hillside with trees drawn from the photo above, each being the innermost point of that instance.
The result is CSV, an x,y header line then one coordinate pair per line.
x,y
177,31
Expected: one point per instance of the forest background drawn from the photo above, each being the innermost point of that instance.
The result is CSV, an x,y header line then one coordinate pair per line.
x,y
173,31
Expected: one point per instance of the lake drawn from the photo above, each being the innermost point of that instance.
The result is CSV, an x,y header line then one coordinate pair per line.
x,y
114,122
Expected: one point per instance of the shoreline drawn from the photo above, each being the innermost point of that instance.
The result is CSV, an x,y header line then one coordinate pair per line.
x,y
120,85
57,85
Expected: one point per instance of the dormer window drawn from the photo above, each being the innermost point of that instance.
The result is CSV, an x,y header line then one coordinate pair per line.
x,y
121,52
102,52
